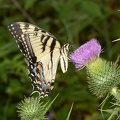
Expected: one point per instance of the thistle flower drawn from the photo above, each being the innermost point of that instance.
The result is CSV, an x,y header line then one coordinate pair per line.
x,y
103,76
85,53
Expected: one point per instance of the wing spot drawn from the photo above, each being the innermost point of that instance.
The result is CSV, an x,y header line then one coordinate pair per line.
x,y
31,67
39,82
46,95
9,29
38,75
51,87
39,67
11,25
22,36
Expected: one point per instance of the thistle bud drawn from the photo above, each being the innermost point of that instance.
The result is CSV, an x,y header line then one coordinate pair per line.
x,y
103,76
31,109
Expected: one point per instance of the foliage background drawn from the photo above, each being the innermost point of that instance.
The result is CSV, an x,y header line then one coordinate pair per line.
x,y
73,22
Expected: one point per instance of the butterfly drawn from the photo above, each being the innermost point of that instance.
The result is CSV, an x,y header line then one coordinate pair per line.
x,y
43,52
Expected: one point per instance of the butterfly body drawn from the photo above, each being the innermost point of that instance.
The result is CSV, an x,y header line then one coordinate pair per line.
x,y
43,51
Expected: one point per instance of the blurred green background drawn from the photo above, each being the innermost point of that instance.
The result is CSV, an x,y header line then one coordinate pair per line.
x,y
73,22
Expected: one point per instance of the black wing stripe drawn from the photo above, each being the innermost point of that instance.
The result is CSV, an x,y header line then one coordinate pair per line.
x,y
64,64
43,31
45,42
23,41
29,53
52,47
41,38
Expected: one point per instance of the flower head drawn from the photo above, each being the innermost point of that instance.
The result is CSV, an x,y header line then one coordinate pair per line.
x,y
103,76
86,53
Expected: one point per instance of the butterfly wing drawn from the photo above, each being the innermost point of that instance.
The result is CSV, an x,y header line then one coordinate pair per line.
x,y
43,52
33,41
43,83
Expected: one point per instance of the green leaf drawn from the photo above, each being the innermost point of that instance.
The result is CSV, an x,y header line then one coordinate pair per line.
x,y
48,105
68,117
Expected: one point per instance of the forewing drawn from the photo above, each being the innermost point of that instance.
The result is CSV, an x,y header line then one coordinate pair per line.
x,y
33,41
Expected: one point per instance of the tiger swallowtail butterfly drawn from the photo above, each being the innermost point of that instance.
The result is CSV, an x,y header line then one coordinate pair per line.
x,y
43,52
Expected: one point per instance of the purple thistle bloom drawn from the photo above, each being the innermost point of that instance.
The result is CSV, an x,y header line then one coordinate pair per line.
x,y
85,53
